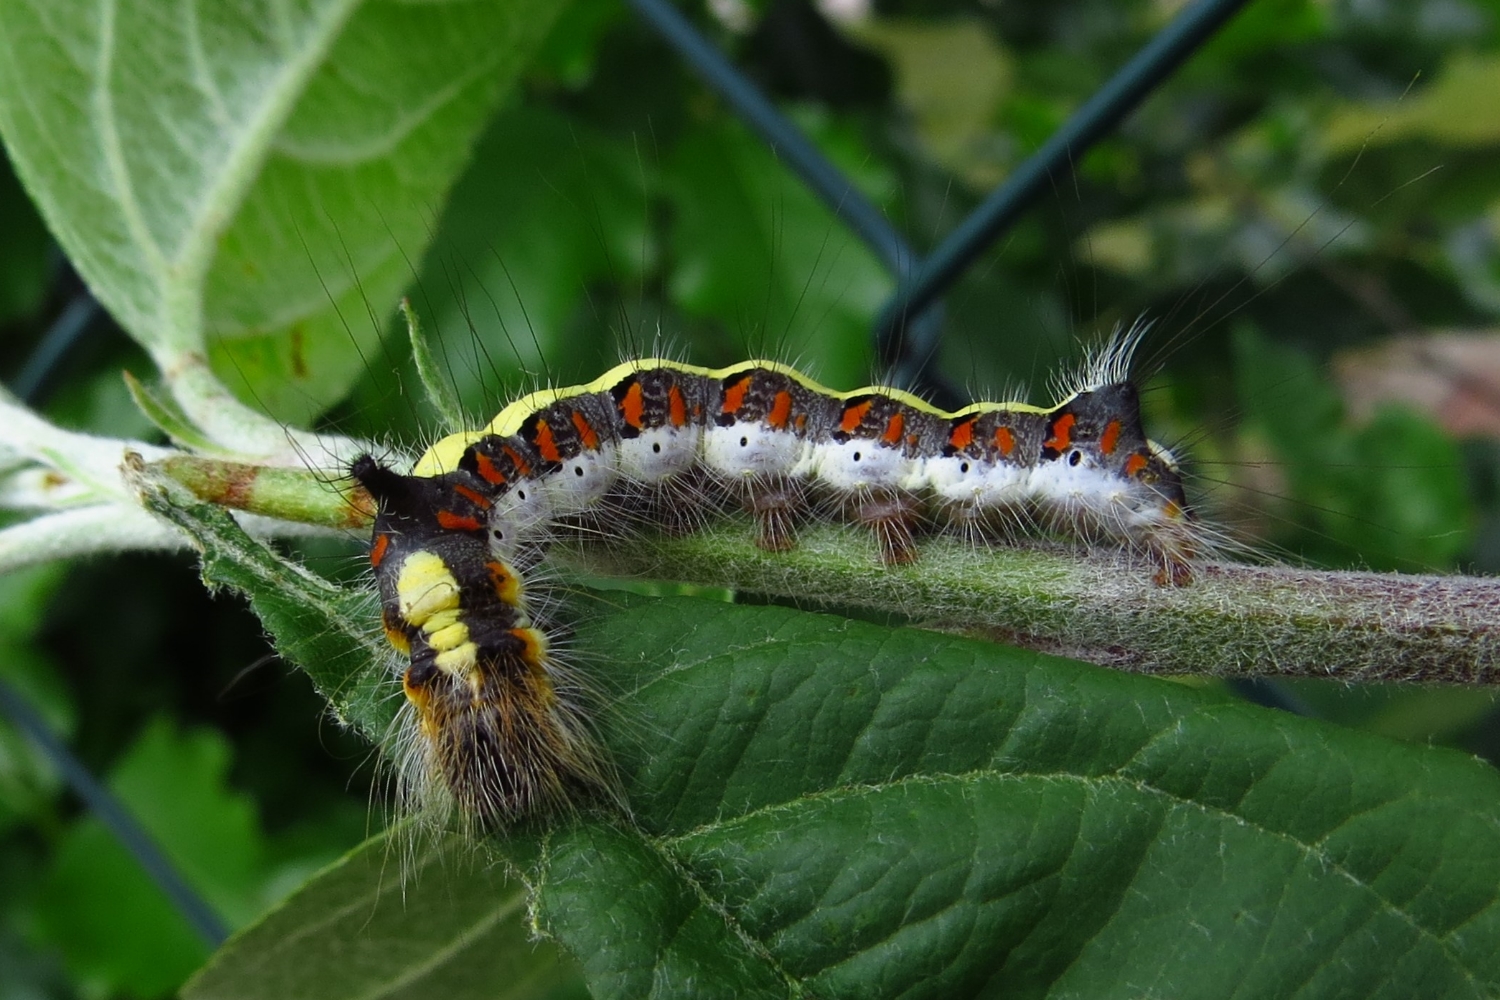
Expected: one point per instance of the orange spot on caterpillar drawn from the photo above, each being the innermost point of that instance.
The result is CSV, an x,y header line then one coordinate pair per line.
x,y
586,432
449,521
395,635
1005,440
415,693
475,497
486,469
963,435
377,550
1110,437
546,445
533,647
800,422
632,407
523,467
1062,432
677,407
505,582
421,699
854,416
734,395
1134,464
894,428
781,410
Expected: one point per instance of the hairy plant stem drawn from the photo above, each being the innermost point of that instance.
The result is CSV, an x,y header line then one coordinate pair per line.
x,y
1231,621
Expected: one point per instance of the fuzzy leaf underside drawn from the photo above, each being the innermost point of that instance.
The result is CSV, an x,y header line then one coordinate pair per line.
x,y
253,175
827,807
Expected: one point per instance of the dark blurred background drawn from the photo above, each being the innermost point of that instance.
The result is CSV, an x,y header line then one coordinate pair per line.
x,y
1309,212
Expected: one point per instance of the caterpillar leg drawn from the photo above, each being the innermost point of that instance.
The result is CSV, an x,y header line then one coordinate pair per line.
x,y
892,516
775,502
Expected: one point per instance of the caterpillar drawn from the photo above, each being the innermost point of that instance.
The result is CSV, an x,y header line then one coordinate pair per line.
x,y
498,728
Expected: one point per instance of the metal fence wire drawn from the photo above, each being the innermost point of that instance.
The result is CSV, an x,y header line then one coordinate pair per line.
x,y
906,333
910,327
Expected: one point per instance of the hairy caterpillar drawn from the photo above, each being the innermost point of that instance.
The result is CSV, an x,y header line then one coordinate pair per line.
x,y
497,728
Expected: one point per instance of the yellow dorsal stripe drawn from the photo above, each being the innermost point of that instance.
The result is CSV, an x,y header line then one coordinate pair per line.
x,y
444,455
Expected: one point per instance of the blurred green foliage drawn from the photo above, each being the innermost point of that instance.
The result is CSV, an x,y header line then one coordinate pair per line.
x,y
1321,176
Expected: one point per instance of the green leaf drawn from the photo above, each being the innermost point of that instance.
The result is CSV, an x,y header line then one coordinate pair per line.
x,y
572,48
440,394
322,627
446,923
253,174
951,75
1410,491
167,417
756,251
831,807
1459,107
114,927
847,810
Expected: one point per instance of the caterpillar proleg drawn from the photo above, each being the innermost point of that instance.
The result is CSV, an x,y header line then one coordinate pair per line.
x,y
496,727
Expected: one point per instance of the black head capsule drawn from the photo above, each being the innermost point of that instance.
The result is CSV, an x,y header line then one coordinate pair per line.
x,y
397,497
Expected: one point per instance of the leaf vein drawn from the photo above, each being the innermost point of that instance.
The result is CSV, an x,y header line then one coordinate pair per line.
x,y
1309,851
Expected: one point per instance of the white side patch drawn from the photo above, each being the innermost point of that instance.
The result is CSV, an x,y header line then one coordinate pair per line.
x,y
655,455
744,449
583,480
863,464
973,482
519,517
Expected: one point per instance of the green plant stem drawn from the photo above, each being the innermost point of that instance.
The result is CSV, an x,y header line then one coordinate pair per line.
x,y
289,494
1230,621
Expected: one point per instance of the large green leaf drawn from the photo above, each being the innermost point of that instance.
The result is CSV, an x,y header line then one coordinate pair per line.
x,y
861,811
252,170
844,809
440,923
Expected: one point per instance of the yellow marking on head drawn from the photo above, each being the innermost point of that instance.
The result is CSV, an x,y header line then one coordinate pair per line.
x,y
425,587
